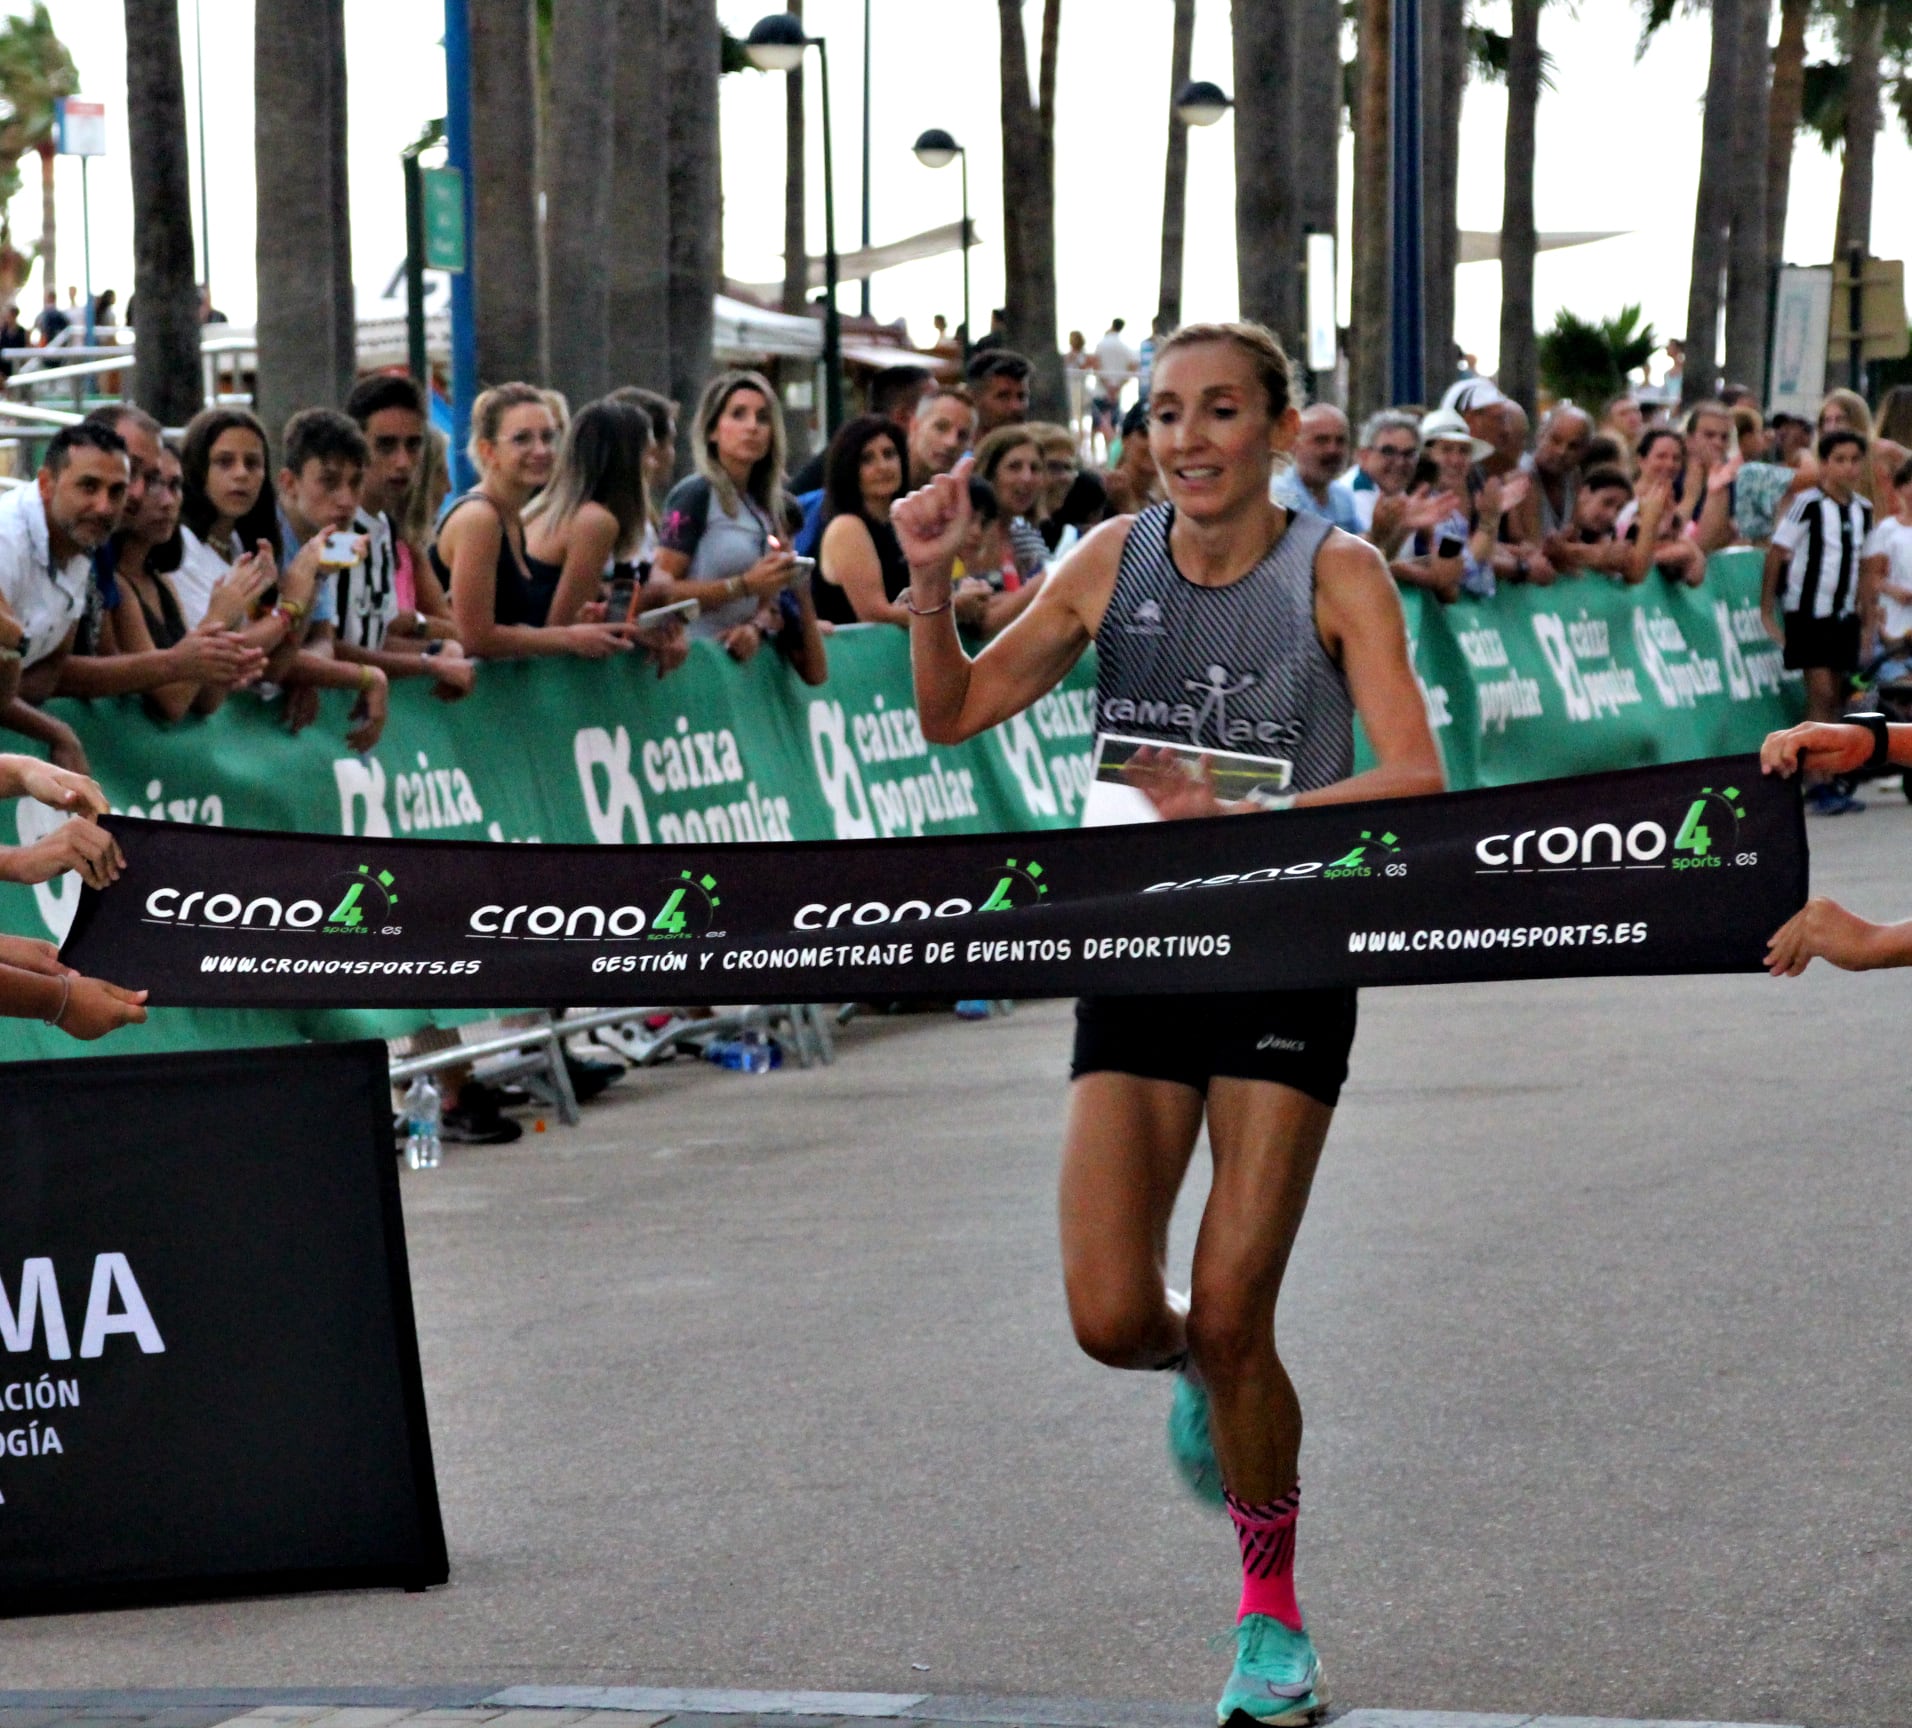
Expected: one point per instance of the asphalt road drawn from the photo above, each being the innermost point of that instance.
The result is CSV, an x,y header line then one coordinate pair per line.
x,y
1600,1318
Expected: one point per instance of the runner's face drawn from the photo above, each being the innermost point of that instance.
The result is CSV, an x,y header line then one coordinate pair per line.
x,y
235,472
940,434
1018,479
1210,431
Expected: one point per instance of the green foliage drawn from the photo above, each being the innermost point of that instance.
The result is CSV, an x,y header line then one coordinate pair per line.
x,y
1586,362
35,71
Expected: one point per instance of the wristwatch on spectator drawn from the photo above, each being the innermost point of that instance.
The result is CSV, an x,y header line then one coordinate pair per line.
x,y
1877,725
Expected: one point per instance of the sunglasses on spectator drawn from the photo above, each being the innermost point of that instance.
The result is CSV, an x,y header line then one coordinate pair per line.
x,y
1397,452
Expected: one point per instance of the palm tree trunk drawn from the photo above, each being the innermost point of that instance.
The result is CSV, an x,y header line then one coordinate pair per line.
x,y
1783,114
639,214
344,321
294,176
1373,173
507,258
796,244
1865,44
169,386
577,242
1029,205
1713,210
693,56
1517,371
1443,80
1181,60
1319,97
49,219
1264,70
1747,283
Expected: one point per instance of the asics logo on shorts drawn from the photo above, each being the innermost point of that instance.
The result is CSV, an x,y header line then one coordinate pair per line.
x,y
1271,1042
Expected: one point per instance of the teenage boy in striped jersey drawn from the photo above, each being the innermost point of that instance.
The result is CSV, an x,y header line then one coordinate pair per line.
x,y
1816,594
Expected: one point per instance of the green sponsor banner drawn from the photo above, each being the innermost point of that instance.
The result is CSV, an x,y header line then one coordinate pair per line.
x,y
1536,683
564,750
1586,676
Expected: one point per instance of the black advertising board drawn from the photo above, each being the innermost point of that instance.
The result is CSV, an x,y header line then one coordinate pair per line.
x,y
209,1377
1681,867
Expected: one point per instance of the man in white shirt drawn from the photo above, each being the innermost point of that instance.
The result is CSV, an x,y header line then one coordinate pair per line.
x,y
49,532
1115,365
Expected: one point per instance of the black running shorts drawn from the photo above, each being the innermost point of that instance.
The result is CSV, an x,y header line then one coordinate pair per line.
x,y
1298,1038
1831,643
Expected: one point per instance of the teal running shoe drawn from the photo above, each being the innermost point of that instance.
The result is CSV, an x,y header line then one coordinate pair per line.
x,y
1190,1449
1277,1678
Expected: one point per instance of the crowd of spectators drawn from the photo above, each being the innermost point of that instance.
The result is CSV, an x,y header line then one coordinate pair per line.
x,y
185,574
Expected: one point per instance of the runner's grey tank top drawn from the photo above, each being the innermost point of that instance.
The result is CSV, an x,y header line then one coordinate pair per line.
x,y
1238,668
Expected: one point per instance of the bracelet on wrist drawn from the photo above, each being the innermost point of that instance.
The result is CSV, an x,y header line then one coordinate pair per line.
x,y
66,1000
366,679
916,611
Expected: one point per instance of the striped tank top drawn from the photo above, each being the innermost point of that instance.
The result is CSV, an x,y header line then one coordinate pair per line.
x,y
1239,668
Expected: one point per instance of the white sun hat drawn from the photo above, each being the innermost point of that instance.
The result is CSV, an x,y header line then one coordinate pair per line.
x,y
1445,426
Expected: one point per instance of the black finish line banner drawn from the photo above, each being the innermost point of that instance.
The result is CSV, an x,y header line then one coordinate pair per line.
x,y
210,1381
1687,867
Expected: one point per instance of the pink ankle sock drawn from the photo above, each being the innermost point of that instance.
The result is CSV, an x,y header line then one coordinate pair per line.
x,y
1267,1536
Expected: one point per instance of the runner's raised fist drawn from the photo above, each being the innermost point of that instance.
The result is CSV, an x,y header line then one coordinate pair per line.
x,y
931,522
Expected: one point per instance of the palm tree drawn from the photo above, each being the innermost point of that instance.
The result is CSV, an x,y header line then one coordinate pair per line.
x,y
1865,46
1181,59
507,259
1712,218
298,165
163,277
1586,362
639,215
344,297
1320,100
1444,50
1518,243
1029,204
1368,370
1784,112
1265,229
583,43
1748,283
35,72
693,59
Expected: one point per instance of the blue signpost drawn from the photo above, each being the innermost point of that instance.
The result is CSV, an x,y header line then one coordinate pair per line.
x,y
1407,348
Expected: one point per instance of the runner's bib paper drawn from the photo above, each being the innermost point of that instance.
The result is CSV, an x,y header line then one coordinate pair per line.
x,y
1685,867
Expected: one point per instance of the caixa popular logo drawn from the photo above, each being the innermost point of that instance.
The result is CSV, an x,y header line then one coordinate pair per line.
x,y
1018,883
1705,837
357,902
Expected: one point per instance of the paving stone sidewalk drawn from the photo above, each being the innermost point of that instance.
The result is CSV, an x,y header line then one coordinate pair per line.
x,y
479,1706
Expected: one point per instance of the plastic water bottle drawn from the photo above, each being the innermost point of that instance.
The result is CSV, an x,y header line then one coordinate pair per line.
x,y
423,1107
750,1052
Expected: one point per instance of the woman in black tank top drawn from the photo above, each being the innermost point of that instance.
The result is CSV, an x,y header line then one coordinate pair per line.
x,y
1222,623
861,570
499,603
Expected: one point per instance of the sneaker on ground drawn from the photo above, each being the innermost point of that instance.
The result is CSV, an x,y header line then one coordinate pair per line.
x,y
1829,800
1277,1679
475,1120
1190,1449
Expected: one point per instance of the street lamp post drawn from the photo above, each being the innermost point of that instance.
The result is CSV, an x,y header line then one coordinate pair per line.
x,y
776,44
1196,103
936,149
